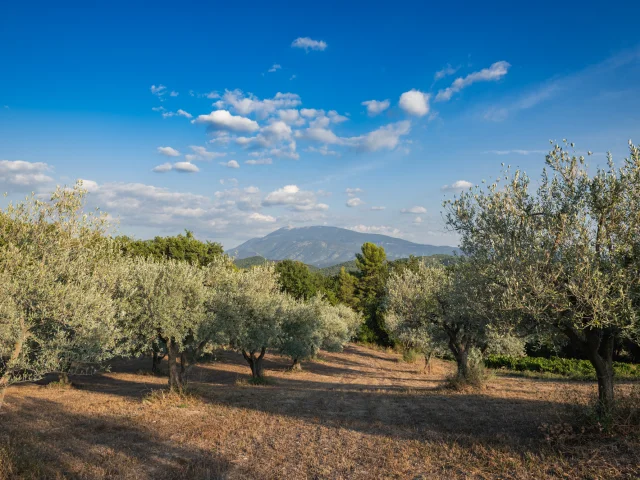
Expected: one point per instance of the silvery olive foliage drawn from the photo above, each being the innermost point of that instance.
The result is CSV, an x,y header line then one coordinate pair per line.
x,y
565,254
316,324
58,272
248,310
166,301
433,307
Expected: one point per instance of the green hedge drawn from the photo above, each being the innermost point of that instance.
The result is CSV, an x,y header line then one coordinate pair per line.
x,y
568,367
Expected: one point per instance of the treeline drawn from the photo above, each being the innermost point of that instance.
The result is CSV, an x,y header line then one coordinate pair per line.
x,y
73,297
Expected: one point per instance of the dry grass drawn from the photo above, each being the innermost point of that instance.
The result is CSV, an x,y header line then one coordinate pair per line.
x,y
360,414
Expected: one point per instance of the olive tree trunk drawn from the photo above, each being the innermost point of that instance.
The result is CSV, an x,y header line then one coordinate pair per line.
x,y
597,345
175,371
255,362
296,366
427,362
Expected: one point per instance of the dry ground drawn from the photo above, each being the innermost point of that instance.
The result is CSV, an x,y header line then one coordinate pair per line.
x,y
360,414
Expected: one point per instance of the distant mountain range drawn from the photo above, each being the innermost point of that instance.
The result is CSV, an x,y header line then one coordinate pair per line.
x,y
326,246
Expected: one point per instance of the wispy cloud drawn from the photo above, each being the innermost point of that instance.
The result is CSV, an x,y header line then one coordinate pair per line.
x,y
493,73
309,44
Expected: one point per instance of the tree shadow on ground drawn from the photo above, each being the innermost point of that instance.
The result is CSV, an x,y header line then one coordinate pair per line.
x,y
64,444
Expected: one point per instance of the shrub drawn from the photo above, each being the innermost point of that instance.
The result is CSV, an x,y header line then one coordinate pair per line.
x,y
569,367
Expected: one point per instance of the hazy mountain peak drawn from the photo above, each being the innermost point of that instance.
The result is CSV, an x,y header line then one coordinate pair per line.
x,y
324,246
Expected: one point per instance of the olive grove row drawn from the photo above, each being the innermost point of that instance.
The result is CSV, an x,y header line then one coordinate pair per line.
x,y
70,301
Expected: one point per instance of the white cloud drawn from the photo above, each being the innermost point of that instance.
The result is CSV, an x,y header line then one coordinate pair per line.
x,y
223,120
417,220
201,153
311,112
168,151
261,218
250,104
230,164
291,196
415,102
378,209
159,91
335,117
274,67
165,167
309,44
457,186
352,192
321,135
179,113
323,150
375,107
185,167
354,202
174,94
380,229
292,77
445,72
386,137
259,161
416,209
493,73
291,116
21,176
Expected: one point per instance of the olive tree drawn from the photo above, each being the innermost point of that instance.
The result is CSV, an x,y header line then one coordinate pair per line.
x,y
431,305
565,254
166,301
248,310
57,271
309,326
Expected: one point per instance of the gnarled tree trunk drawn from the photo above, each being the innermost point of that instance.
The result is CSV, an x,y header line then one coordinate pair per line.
x,y
598,347
296,366
255,362
427,362
175,372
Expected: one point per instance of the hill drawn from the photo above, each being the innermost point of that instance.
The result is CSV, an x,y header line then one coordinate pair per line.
x,y
325,246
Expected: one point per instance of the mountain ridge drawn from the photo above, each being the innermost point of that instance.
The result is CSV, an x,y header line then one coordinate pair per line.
x,y
323,246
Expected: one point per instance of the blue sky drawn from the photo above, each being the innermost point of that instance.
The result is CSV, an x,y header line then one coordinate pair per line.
x,y
234,120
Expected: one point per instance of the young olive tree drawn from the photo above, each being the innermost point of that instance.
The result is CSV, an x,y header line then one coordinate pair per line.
x,y
432,305
302,335
566,255
57,271
248,311
167,301
315,324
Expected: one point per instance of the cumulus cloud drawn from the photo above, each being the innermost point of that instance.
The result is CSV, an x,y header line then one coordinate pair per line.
x,y
274,67
185,167
375,107
457,186
165,167
417,220
291,116
311,112
174,93
291,196
386,137
309,44
247,104
259,217
354,202
322,135
416,209
415,102
168,151
223,120
22,176
230,164
201,153
493,73
352,192
259,161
